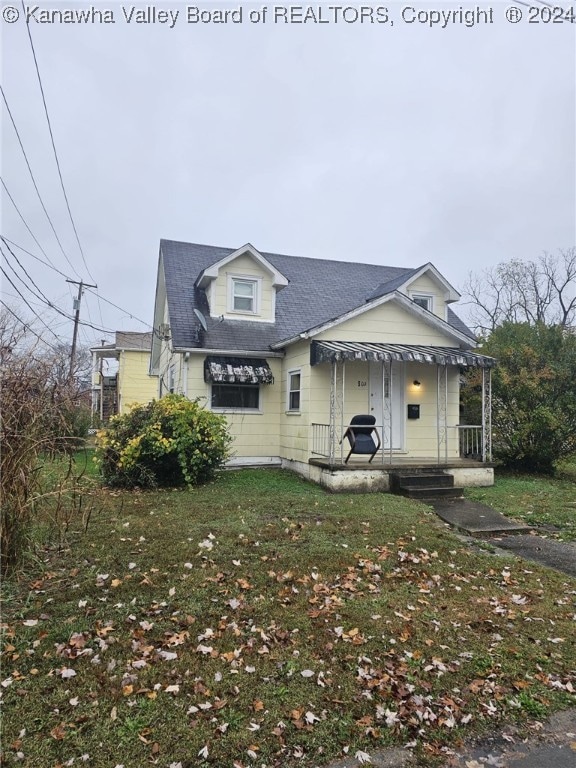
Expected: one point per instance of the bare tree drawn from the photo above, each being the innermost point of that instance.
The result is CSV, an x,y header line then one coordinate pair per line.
x,y
39,417
541,291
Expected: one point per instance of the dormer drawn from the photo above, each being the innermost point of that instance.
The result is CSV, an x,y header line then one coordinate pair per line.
x,y
425,286
242,286
430,290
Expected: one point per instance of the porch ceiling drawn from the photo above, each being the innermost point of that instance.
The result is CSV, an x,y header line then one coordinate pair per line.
x,y
340,351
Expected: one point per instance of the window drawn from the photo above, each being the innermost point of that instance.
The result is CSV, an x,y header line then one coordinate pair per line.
x,y
294,390
244,294
423,301
241,396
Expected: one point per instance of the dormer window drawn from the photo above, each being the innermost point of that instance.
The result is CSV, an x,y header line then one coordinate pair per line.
x,y
423,300
244,295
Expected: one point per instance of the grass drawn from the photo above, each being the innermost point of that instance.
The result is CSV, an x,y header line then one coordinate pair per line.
x,y
258,621
544,502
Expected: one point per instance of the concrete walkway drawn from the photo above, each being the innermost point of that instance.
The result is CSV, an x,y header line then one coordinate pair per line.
x,y
481,521
552,745
474,518
560,555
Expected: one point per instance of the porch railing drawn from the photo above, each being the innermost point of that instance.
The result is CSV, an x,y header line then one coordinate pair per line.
x,y
321,443
470,439
321,440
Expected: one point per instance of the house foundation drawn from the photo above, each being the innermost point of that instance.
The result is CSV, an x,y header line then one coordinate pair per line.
x,y
370,478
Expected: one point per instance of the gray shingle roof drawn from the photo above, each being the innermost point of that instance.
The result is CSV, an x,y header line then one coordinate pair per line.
x,y
392,285
319,290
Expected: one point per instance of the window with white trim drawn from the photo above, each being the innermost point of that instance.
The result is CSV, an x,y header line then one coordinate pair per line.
x,y
294,390
424,300
237,397
243,295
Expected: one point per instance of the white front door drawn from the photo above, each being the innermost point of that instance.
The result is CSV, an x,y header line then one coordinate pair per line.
x,y
387,403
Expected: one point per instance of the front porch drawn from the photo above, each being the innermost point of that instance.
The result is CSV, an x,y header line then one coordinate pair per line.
x,y
411,395
366,477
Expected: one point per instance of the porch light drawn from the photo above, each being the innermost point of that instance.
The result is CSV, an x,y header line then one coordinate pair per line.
x,y
416,383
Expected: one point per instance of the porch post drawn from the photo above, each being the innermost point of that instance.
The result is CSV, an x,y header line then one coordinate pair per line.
x,y
336,409
442,412
387,407
332,425
486,414
342,403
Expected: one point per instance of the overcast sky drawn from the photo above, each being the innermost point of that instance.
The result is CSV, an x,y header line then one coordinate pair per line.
x,y
393,144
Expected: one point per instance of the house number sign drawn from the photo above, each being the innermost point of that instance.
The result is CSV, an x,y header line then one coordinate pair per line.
x,y
362,383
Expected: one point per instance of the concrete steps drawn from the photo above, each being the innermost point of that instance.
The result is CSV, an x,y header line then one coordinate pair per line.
x,y
424,485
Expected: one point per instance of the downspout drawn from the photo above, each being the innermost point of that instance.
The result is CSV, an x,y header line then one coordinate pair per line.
x,y
185,375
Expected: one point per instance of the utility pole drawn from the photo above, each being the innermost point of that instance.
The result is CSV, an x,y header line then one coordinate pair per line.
x,y
81,285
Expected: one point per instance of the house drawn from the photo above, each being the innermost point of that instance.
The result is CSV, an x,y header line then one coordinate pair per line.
x,y
291,348
121,374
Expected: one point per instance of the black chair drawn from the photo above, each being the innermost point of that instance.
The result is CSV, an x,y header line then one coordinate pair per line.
x,y
361,434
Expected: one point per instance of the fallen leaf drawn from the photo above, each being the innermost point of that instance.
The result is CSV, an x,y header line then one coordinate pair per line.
x,y
66,673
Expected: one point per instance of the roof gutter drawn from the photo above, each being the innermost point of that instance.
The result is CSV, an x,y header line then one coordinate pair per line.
x,y
230,352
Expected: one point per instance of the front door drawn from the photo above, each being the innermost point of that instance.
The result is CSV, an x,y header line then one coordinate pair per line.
x,y
387,402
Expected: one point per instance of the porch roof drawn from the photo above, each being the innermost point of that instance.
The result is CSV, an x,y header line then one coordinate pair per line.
x,y
340,351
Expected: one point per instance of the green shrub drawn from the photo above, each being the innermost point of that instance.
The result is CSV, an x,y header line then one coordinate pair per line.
x,y
533,395
168,442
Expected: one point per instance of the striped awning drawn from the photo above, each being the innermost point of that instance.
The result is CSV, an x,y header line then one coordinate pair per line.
x,y
339,351
237,370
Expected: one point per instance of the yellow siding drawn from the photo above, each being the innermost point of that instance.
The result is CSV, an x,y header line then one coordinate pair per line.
x,y
421,434
135,385
254,434
295,427
388,323
246,266
426,285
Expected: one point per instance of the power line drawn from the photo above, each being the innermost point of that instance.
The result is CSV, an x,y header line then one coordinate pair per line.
x,y
18,211
98,295
34,181
54,144
26,326
46,264
47,301
122,309
23,268
58,339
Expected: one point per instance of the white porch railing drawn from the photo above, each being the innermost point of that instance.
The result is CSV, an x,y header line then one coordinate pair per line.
x,y
321,443
471,442
321,439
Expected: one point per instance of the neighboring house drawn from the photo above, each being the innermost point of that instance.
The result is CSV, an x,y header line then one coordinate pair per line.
x,y
290,349
121,374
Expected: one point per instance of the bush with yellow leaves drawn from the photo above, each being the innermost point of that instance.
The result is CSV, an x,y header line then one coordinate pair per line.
x,y
168,442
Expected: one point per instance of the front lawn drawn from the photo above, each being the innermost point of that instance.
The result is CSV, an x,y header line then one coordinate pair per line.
x,y
544,502
258,621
